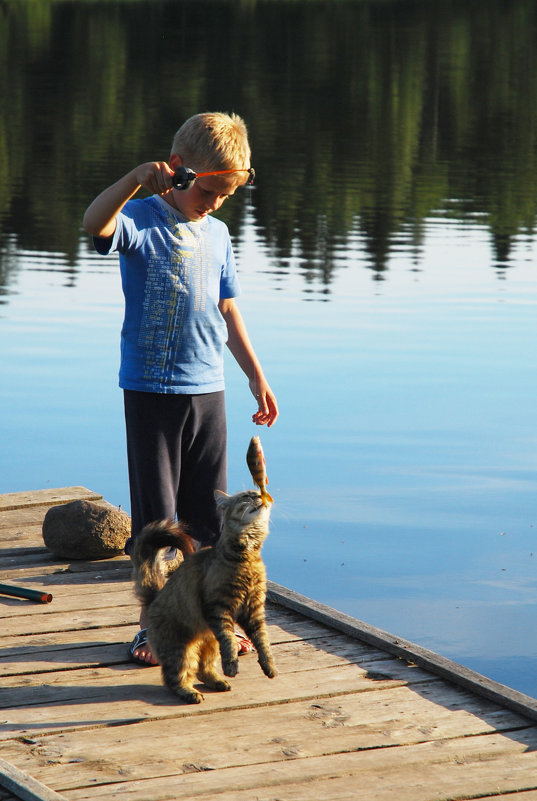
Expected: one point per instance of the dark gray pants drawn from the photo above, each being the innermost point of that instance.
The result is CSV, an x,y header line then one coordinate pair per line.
x,y
177,457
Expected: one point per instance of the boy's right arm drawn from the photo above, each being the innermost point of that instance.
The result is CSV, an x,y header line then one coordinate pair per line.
x,y
100,217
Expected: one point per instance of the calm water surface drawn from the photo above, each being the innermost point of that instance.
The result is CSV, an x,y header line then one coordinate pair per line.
x,y
387,260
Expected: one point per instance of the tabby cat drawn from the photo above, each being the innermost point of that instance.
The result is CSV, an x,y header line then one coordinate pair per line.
x,y
193,613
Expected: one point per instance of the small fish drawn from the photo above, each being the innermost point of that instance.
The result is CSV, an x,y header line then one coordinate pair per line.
x,y
255,459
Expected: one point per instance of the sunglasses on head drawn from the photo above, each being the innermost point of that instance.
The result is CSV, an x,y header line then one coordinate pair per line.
x,y
184,177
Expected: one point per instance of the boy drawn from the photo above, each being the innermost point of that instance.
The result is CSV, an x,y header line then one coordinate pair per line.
x,y
179,281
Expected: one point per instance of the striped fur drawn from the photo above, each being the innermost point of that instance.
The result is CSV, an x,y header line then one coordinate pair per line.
x,y
192,616
151,571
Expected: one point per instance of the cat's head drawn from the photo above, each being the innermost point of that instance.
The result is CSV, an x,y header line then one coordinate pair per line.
x,y
246,516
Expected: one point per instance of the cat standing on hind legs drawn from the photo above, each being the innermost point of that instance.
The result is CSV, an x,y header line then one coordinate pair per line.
x,y
192,617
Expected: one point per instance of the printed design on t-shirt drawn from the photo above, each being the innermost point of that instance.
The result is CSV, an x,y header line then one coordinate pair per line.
x,y
175,287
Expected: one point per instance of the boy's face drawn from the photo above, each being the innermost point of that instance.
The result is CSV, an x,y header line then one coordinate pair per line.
x,y
205,195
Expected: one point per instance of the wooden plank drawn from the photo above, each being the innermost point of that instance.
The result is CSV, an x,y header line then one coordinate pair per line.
x,y
340,788
25,525
31,516
411,652
45,559
47,497
51,573
25,786
26,647
70,668
431,771
18,616
111,696
73,587
33,530
109,647
21,539
67,589
226,739
109,607
120,608
22,631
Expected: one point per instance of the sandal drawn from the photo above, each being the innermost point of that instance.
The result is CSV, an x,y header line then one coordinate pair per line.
x,y
140,641
244,644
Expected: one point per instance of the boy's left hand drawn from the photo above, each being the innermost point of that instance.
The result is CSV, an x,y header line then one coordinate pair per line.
x,y
240,346
267,410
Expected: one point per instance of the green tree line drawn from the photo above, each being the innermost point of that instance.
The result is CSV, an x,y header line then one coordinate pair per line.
x,y
364,115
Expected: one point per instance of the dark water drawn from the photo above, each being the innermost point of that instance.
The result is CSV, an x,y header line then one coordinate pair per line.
x,y
387,258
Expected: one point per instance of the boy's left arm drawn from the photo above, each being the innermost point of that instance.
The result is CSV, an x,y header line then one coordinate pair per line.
x,y
242,349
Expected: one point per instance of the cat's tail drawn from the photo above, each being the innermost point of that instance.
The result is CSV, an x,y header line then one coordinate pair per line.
x,y
150,556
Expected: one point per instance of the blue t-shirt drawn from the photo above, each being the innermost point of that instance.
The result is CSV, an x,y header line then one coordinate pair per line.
x,y
173,273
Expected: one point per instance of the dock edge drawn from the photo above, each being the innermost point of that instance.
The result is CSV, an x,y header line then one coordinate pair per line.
x,y
405,649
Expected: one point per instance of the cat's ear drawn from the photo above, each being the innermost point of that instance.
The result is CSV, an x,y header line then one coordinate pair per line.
x,y
221,498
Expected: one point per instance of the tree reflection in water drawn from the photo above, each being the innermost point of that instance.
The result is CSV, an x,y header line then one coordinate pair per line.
x,y
373,114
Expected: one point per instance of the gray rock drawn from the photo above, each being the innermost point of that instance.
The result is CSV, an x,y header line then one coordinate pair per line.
x,y
86,530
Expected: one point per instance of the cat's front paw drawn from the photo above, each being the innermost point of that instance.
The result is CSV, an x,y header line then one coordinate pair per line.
x,y
231,667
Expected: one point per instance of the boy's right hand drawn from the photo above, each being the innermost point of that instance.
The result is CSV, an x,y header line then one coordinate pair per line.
x,y
100,217
155,176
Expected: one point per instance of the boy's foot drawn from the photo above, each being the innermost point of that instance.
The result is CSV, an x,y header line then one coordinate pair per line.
x,y
140,652
244,644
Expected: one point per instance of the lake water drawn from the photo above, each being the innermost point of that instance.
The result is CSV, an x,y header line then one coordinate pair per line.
x,y
387,260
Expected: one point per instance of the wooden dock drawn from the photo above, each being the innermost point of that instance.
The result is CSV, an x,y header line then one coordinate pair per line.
x,y
355,713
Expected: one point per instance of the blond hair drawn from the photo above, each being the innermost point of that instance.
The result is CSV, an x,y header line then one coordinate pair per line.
x,y
213,141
